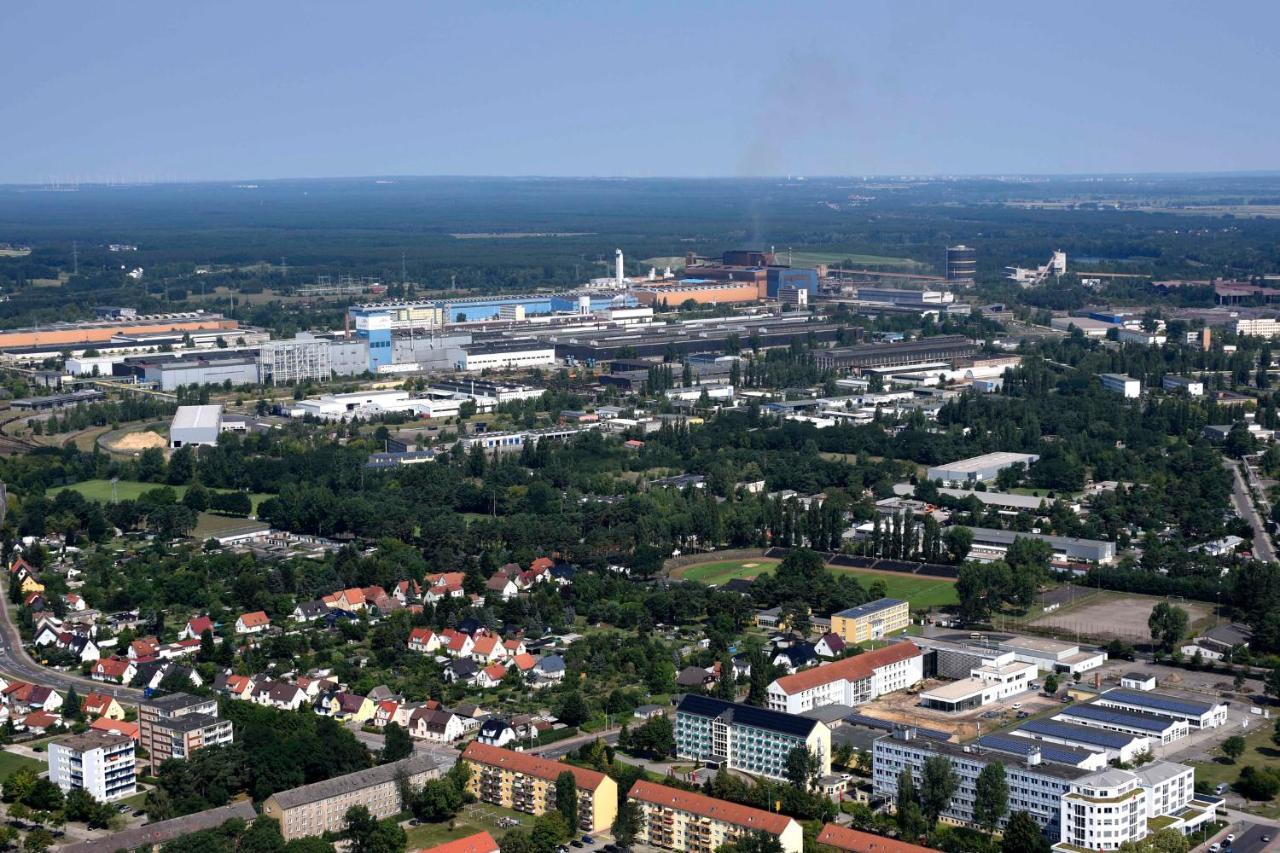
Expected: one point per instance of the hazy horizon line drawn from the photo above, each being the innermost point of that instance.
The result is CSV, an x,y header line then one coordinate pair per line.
x,y
798,178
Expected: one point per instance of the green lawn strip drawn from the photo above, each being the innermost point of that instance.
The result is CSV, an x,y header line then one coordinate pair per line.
x,y
11,761
920,591
131,490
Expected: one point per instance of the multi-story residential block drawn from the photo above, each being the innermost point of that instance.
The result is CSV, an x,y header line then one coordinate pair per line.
x,y
101,763
848,840
527,783
871,621
681,820
322,806
851,681
176,725
742,737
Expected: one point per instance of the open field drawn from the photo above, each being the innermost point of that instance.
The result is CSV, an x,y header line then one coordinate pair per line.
x,y
130,490
1115,615
920,591
10,761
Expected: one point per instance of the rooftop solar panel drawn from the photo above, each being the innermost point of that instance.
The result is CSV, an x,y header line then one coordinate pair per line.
x,y
1048,751
1076,733
1129,719
1160,701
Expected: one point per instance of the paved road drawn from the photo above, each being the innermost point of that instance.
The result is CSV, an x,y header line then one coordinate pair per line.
x,y
1262,547
561,748
15,662
1249,839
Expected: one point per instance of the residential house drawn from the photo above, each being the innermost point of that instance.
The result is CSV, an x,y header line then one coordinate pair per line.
x,y
423,640
796,657
74,602
119,727
491,676
351,707
37,722
23,697
487,648
407,592
102,705
309,611
234,686
252,623
496,732
501,587
525,663
550,668
514,647
113,670
195,628
143,648
829,646
695,678
279,694
457,643
350,600
460,670
436,725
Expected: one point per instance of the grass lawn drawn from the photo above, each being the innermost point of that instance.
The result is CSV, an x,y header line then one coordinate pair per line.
x,y
477,817
920,591
1259,751
11,761
208,524
130,490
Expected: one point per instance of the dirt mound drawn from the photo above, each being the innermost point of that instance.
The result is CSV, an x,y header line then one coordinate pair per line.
x,y
138,441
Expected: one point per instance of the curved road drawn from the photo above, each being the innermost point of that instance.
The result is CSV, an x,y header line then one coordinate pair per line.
x,y
15,662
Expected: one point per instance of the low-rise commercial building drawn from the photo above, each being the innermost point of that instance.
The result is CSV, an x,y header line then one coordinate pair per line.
x,y
1118,383
1117,746
991,544
1192,387
745,738
673,819
1053,655
322,807
176,725
851,681
527,783
507,355
871,621
1159,729
197,426
979,468
985,685
1198,713
101,763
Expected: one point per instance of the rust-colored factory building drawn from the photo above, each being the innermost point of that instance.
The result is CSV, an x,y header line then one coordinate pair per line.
x,y
102,331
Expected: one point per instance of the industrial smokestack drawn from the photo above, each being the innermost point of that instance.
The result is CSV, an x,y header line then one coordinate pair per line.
x,y
617,273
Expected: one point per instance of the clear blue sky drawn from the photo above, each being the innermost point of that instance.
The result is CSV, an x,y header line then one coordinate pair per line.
x,y
194,91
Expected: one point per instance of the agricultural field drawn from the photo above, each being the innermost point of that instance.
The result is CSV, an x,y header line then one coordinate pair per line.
x,y
920,591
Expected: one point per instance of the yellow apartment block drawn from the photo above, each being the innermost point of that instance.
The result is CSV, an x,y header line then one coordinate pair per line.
x,y
681,820
527,783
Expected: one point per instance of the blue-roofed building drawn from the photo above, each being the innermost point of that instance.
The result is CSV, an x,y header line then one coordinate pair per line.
x,y
1199,713
742,737
1058,753
1163,729
872,620
1118,746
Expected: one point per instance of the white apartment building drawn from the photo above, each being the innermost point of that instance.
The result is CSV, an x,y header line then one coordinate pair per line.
x,y
1193,387
101,763
851,681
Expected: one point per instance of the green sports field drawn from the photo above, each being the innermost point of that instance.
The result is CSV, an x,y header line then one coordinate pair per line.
x,y
921,592
130,490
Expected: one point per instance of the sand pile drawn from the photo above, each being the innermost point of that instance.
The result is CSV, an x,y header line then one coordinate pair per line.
x,y
139,441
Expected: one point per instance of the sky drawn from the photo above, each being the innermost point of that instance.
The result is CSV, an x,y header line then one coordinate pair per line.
x,y
164,91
